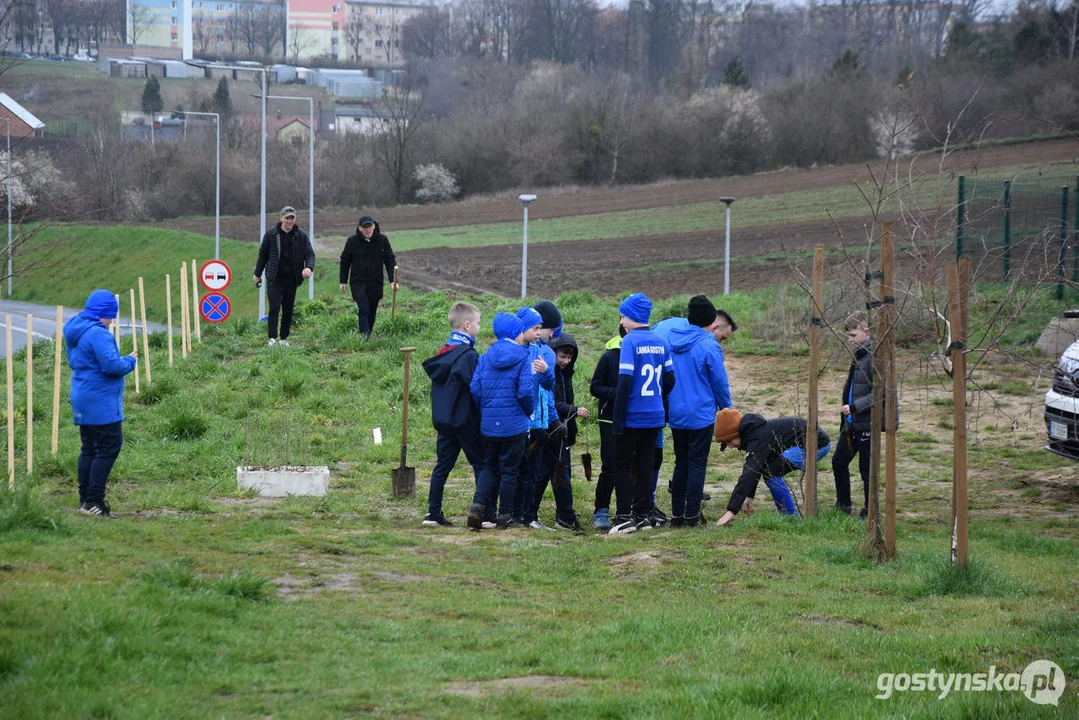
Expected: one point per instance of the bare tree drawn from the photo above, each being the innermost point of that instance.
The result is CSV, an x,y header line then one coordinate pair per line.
x,y
404,118
271,29
427,34
138,18
298,41
354,30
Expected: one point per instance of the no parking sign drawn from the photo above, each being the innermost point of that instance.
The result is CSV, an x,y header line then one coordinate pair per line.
x,y
214,307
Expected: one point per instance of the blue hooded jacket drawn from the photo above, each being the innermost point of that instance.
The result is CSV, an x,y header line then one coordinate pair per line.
x,y
502,387
451,371
97,371
702,386
543,394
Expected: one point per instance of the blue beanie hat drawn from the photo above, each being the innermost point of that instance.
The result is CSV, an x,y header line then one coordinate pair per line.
x,y
637,307
102,304
529,318
507,326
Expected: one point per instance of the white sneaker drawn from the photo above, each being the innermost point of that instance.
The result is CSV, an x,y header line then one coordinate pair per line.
x,y
273,341
624,527
283,343
537,525
488,525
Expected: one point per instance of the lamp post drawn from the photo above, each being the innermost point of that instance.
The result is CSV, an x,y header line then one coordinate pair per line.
x,y
525,200
217,220
310,180
727,249
7,187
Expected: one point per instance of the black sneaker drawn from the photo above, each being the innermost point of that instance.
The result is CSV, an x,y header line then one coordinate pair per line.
x,y
658,518
695,521
622,526
678,521
569,526
475,516
644,523
98,508
436,520
505,522
705,497
863,514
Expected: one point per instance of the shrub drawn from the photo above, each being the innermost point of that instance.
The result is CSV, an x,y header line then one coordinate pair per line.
x,y
436,183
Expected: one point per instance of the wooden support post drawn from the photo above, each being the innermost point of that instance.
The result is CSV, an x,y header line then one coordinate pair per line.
x,y
56,379
889,313
816,313
10,411
29,394
958,279
195,317
873,543
116,323
145,359
168,309
183,310
134,339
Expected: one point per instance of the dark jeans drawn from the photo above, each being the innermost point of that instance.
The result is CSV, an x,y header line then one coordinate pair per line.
x,y
282,297
605,482
851,443
691,448
366,308
776,467
447,449
533,469
501,467
635,450
559,479
100,447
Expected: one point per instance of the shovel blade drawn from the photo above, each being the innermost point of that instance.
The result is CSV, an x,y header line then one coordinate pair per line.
x,y
586,463
404,481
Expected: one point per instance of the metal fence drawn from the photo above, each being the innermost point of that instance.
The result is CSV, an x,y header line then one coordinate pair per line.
x,y
1024,226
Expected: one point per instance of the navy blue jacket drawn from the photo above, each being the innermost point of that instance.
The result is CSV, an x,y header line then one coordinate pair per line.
x,y
502,388
451,372
97,371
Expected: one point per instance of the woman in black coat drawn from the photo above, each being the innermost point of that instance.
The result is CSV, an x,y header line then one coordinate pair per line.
x,y
362,260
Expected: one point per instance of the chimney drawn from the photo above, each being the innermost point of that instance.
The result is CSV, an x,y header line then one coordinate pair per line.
x,y
279,114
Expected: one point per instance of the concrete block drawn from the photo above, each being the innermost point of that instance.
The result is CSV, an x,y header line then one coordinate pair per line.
x,y
302,480
1056,338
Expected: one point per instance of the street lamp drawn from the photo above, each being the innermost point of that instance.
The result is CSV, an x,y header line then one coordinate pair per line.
x,y
7,187
525,200
310,180
727,249
217,221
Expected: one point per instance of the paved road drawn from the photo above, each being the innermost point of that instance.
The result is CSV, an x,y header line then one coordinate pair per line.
x,y
45,324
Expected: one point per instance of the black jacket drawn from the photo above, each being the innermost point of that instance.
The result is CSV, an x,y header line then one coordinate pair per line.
x,y
362,262
605,380
765,440
858,392
563,387
451,370
270,253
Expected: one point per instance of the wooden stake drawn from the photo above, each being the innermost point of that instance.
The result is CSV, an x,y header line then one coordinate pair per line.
x,y
889,315
183,310
10,411
116,325
29,394
195,317
134,339
873,544
56,379
816,321
168,308
958,277
393,303
145,359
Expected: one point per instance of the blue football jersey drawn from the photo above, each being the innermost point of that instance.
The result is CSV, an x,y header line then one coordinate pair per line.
x,y
645,356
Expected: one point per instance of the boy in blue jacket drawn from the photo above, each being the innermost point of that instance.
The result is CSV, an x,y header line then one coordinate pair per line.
x,y
702,390
97,396
645,378
542,361
453,412
502,388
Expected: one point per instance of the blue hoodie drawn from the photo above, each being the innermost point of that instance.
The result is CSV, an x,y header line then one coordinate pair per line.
x,y
502,388
97,371
543,394
702,386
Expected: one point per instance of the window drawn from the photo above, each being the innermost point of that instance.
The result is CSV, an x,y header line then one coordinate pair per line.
x,y
174,36
173,6
378,43
378,11
378,28
337,8
174,22
333,26
221,6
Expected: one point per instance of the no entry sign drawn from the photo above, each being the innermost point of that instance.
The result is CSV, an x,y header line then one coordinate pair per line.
x,y
214,307
215,275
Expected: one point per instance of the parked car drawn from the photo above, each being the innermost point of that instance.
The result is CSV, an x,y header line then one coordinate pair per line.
x,y
1062,406
82,57
56,58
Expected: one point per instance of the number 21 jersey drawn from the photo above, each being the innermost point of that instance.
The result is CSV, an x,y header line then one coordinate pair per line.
x,y
645,356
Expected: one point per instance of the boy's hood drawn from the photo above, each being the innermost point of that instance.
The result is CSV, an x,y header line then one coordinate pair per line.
x,y
504,354
440,366
684,337
749,423
563,341
77,326
614,343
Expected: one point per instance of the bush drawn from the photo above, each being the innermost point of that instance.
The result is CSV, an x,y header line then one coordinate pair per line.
x,y
436,183
184,421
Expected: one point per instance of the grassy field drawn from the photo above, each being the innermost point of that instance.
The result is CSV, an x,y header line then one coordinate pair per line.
x,y
202,601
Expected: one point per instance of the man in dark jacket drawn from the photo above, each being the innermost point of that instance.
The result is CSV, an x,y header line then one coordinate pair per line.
x,y
97,396
288,259
766,444
453,412
365,255
603,387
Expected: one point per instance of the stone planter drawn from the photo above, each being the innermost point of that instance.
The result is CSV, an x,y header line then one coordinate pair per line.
x,y
285,480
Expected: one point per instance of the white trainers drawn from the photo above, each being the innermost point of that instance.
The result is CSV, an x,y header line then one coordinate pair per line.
x,y
623,527
537,525
273,341
488,525
283,343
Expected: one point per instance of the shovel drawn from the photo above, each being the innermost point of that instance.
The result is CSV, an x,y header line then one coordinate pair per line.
x,y
404,477
586,459
393,305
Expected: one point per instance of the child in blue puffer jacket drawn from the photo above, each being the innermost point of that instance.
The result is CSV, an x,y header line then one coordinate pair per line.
x,y
97,396
502,389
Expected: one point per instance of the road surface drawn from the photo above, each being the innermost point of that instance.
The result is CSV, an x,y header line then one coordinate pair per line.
x,y
45,324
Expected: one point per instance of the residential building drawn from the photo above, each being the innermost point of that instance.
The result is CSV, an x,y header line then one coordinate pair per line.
x,y
22,122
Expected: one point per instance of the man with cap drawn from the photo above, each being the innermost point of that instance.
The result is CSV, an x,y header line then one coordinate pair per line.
x,y
702,389
97,396
365,255
287,257
773,448
645,378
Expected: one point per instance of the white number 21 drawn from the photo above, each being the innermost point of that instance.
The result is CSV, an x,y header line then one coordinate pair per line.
x,y
651,375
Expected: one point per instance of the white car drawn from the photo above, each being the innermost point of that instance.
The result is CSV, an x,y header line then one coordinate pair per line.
x,y
83,58
1062,406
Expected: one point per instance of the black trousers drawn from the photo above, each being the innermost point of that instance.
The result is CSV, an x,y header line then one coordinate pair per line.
x,y
282,297
100,447
366,307
635,450
851,443
605,482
